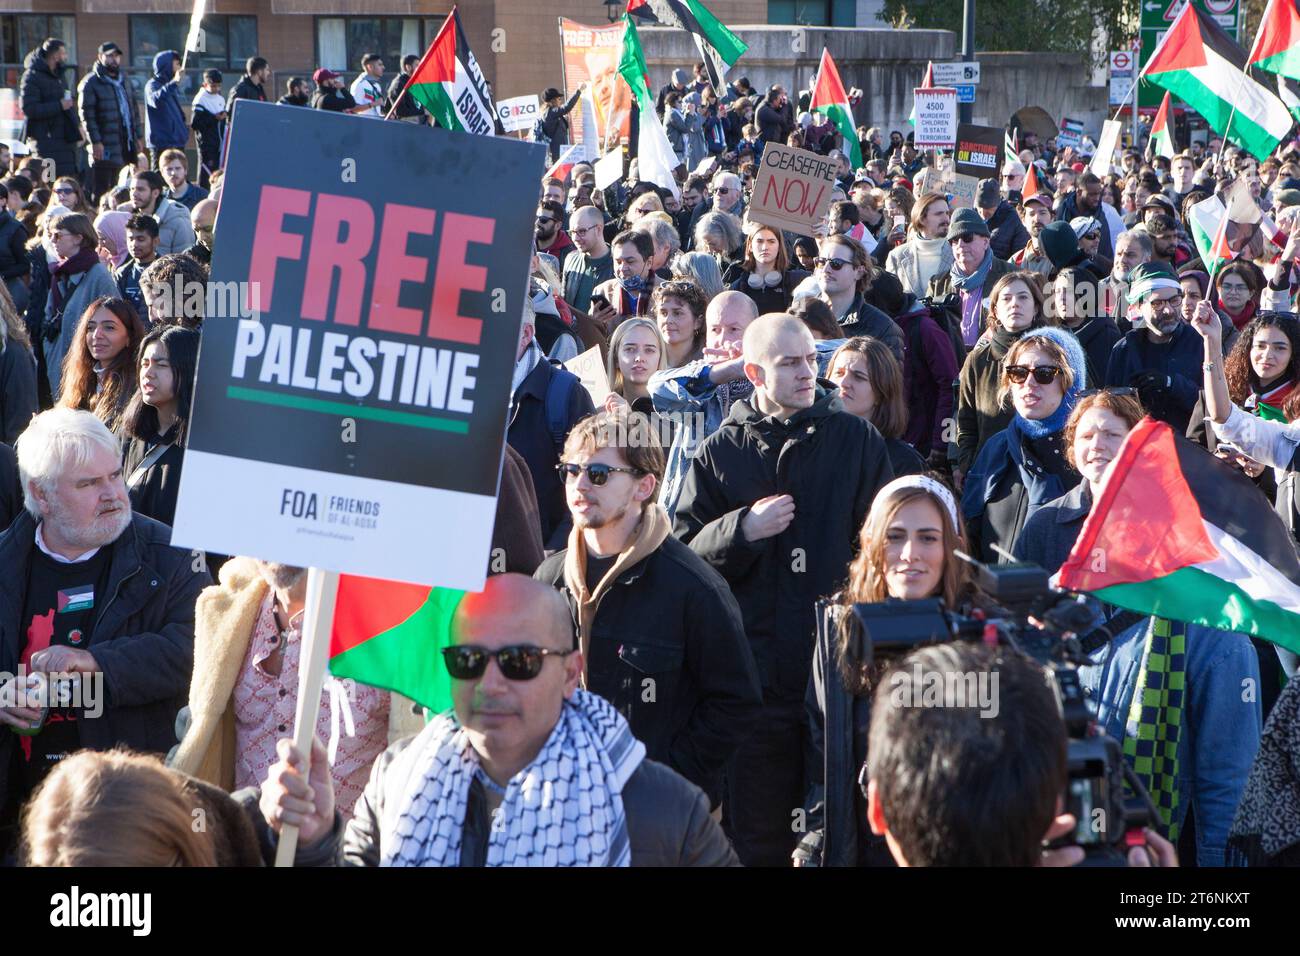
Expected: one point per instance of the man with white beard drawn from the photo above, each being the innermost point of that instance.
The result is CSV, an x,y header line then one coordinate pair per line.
x,y
93,594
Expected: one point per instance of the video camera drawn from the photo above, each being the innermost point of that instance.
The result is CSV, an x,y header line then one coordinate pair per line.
x,y
1024,612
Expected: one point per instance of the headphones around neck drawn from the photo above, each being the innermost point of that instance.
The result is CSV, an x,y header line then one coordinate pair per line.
x,y
770,279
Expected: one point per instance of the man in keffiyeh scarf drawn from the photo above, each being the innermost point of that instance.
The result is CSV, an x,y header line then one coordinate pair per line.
x,y
522,771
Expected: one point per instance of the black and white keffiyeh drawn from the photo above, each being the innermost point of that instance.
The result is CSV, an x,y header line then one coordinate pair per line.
x,y
563,809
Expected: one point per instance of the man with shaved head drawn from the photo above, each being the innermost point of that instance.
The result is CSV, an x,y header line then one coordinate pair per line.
x,y
525,769
774,500
697,396
592,263
203,217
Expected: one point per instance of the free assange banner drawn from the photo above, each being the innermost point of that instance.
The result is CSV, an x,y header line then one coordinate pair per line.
x,y
362,325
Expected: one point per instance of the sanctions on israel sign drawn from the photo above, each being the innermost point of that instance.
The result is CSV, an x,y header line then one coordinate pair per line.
x,y
355,420
793,188
979,151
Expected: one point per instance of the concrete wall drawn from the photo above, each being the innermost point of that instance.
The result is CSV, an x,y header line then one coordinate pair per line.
x,y
1057,82
885,64
888,64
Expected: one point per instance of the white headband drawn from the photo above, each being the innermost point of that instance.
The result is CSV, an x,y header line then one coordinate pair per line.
x,y
1144,287
926,483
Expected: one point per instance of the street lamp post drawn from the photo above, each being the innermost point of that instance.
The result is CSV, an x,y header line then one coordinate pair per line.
x,y
613,10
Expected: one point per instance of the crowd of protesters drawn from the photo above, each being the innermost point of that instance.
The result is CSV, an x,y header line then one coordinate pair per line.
x,y
797,424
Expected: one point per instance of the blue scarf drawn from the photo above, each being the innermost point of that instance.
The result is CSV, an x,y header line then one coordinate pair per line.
x,y
1050,425
968,283
1006,450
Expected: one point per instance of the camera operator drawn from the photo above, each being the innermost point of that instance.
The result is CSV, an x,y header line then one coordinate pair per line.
x,y
1009,767
1197,748
905,552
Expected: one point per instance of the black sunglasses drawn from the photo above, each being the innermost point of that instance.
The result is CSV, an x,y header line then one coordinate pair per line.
x,y
516,662
547,219
1043,374
597,472
835,264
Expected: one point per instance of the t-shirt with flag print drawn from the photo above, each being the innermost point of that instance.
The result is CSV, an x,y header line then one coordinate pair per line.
x,y
61,604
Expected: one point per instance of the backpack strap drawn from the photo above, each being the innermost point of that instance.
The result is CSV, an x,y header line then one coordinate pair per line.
x,y
556,403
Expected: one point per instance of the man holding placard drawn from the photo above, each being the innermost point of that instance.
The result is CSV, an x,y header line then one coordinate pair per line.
x,y
527,770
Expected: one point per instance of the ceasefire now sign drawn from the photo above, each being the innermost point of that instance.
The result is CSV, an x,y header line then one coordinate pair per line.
x,y
793,188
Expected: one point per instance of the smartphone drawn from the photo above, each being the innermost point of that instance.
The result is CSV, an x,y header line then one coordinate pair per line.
x,y
598,302
900,221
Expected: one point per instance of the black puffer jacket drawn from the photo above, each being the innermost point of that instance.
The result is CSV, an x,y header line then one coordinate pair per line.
x,y
143,639
52,128
1008,233
245,89
14,261
832,464
668,822
670,618
101,116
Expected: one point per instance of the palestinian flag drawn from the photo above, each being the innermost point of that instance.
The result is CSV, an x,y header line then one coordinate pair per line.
x,y
448,83
927,83
1203,66
655,157
829,98
1180,535
389,634
719,47
1030,187
1277,44
1288,92
1162,136
1010,147
570,156
1219,253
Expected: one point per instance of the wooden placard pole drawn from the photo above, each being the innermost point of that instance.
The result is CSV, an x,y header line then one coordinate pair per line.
x,y
318,622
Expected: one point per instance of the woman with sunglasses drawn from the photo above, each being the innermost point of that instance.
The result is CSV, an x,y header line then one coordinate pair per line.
x,y
871,387
99,373
1024,465
845,274
905,553
69,195
1216,730
767,276
1015,307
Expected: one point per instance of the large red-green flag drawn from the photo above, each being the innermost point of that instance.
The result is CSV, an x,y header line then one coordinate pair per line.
x,y
831,101
1178,534
1205,68
449,84
1277,44
390,634
719,48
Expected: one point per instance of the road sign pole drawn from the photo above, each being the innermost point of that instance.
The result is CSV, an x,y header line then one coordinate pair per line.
x,y
964,110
